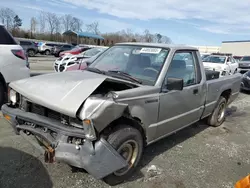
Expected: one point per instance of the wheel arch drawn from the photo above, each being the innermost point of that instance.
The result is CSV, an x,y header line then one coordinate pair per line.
x,y
226,94
2,80
134,122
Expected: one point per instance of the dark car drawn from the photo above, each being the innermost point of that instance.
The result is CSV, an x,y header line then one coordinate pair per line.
x,y
56,50
30,47
245,82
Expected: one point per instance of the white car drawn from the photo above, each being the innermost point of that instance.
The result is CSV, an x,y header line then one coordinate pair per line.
x,y
13,62
224,64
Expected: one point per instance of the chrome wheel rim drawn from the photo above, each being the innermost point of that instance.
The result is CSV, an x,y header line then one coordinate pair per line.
x,y
221,112
129,151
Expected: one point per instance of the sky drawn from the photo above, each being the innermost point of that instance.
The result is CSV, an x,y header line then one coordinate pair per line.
x,y
193,22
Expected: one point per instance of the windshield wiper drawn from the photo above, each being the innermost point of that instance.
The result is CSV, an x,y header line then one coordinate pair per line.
x,y
96,70
126,75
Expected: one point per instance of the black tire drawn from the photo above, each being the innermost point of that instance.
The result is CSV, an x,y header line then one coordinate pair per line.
x,y
218,115
57,54
2,94
31,53
47,52
117,139
235,71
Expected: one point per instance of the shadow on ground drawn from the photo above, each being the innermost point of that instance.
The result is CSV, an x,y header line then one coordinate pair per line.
x,y
19,169
167,143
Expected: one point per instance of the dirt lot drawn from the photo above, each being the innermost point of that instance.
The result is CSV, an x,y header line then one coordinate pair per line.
x,y
198,156
41,63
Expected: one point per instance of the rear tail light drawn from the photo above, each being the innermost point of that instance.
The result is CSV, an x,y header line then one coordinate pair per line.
x,y
19,53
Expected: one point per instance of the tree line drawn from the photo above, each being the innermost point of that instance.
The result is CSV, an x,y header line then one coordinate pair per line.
x,y
50,26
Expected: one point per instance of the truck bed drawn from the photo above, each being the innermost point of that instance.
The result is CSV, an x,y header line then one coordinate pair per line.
x,y
215,87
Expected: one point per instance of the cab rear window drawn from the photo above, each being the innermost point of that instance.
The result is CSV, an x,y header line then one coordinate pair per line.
x,y
5,37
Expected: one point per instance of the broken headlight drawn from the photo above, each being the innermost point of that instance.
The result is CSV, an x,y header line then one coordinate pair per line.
x,y
112,94
89,129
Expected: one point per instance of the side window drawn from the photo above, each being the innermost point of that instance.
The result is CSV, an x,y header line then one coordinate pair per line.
x,y
67,46
183,68
233,60
6,38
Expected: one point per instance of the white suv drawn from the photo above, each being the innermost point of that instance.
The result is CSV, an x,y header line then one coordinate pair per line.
x,y
45,48
13,62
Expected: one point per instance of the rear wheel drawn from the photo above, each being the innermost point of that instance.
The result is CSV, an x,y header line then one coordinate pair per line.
x,y
47,52
219,113
128,142
31,53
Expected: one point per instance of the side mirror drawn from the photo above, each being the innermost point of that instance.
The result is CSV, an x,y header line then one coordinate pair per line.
x,y
174,84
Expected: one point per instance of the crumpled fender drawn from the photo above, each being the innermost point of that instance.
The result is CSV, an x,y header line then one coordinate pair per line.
x,y
102,111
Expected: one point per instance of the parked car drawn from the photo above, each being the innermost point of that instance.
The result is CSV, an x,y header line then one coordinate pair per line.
x,y
58,49
244,64
224,63
13,62
30,47
245,82
45,47
132,95
75,51
71,62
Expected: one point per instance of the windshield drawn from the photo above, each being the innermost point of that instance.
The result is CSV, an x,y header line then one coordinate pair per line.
x,y
92,52
215,59
142,63
204,56
245,58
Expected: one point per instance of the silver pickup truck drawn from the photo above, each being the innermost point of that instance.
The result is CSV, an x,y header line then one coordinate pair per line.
x,y
134,94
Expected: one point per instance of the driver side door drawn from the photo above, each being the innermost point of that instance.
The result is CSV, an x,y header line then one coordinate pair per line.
x,y
181,108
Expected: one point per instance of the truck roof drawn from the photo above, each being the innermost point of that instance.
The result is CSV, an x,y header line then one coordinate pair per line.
x,y
159,45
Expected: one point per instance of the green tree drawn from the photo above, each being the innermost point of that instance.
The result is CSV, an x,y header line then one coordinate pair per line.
x,y
17,22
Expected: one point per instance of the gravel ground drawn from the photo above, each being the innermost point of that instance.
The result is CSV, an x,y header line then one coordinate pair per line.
x,y
198,156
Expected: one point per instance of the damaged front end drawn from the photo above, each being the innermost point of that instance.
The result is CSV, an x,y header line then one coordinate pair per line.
x,y
76,146
64,143
74,141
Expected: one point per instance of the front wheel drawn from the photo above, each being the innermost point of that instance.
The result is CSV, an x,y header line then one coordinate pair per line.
x,y
31,53
47,52
128,142
219,113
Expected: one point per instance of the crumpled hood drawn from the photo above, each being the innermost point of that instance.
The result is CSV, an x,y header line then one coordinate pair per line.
x,y
215,66
62,92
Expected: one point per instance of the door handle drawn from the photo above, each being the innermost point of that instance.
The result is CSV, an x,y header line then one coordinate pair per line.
x,y
195,91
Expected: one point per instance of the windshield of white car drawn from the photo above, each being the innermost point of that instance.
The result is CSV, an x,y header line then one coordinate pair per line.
x,y
245,58
140,62
215,59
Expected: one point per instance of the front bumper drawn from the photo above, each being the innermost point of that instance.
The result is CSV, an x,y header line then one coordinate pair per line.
x,y
243,70
98,158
